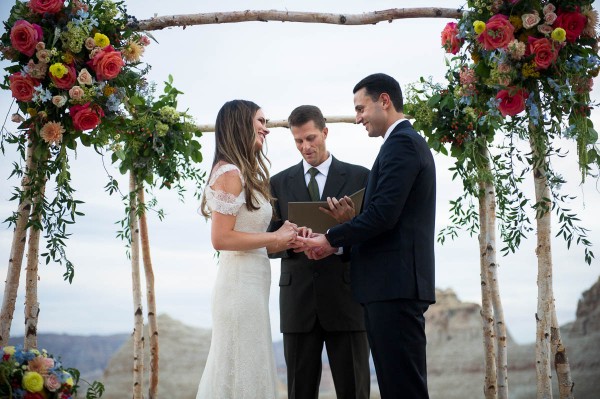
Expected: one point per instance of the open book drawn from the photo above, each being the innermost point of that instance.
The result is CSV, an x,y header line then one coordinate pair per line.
x,y
308,213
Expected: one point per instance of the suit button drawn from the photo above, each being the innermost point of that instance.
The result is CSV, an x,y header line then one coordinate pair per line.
x,y
316,274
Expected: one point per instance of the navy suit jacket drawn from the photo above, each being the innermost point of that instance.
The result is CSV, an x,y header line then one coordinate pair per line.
x,y
392,239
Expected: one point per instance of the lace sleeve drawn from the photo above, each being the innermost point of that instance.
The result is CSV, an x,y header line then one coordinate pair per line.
x,y
221,201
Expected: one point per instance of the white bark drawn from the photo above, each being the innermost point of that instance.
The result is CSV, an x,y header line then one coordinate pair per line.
x,y
561,361
138,315
488,224
544,278
369,18
150,298
15,261
32,306
490,387
284,123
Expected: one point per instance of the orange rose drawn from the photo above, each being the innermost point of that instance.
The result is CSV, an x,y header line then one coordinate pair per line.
x,y
512,101
544,52
22,86
107,63
85,117
68,80
498,33
24,37
46,6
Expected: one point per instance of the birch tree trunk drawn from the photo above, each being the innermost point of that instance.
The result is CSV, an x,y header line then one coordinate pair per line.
x,y
32,306
369,18
138,315
561,361
490,387
15,261
544,255
488,258
150,297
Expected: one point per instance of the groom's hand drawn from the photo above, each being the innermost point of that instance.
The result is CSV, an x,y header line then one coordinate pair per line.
x,y
315,247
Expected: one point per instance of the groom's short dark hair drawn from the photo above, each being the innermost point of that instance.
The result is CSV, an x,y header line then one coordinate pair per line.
x,y
379,83
306,113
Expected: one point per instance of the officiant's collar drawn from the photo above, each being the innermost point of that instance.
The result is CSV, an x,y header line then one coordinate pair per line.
x,y
323,167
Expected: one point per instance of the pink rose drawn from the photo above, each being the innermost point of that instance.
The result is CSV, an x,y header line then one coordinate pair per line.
x,y
85,117
549,8
498,33
68,80
572,22
46,6
545,29
25,36
530,20
550,18
22,86
107,63
76,93
84,77
52,382
512,101
544,52
450,40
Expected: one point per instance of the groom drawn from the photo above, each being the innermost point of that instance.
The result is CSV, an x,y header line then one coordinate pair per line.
x,y
392,240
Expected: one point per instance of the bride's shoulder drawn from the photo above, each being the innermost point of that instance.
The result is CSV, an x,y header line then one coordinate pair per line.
x,y
226,177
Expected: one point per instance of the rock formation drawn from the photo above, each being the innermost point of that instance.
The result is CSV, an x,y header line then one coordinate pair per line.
x,y
455,355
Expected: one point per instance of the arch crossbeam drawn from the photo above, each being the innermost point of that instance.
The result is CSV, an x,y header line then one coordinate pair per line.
x,y
168,21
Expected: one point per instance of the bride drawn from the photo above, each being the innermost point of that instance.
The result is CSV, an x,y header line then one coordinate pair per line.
x,y
240,361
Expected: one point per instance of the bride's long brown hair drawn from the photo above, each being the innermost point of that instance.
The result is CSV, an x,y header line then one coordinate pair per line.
x,y
235,143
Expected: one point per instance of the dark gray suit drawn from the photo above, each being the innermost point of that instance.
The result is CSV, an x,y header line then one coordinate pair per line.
x,y
315,298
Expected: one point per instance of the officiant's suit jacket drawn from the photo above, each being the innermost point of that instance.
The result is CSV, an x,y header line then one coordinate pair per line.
x,y
392,239
312,289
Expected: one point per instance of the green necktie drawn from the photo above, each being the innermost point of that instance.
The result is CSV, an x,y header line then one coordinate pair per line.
x,y
313,187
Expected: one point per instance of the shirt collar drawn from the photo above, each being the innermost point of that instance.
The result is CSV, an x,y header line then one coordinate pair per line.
x,y
323,168
391,128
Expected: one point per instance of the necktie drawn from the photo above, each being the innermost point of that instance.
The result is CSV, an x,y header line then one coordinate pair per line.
x,y
313,187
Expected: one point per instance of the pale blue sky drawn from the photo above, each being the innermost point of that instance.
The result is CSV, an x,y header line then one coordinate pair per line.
x,y
279,66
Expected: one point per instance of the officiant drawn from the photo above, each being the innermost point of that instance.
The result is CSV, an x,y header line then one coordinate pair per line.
x,y
315,301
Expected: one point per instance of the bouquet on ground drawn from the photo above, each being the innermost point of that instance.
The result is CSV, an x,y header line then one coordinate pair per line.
x,y
35,374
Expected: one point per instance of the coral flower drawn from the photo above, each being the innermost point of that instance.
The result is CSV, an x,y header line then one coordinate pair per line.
x,y
51,133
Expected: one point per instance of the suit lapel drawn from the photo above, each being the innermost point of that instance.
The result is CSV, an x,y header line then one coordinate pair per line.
x,y
297,185
335,180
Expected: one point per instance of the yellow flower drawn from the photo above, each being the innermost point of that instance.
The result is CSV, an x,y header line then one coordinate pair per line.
x,y
58,70
133,51
69,379
32,112
67,58
529,70
479,27
516,21
101,40
33,382
9,350
475,57
109,90
559,35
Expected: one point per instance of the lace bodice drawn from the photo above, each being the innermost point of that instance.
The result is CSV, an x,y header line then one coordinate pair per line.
x,y
228,204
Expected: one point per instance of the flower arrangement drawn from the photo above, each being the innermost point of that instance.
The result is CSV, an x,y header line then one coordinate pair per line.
x,y
71,65
74,66
34,374
525,64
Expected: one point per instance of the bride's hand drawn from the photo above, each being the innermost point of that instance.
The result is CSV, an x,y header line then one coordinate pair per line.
x,y
286,235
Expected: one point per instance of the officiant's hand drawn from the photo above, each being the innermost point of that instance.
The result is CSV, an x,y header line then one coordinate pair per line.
x,y
341,210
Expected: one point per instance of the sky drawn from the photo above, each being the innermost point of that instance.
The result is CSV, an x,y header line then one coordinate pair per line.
x,y
279,66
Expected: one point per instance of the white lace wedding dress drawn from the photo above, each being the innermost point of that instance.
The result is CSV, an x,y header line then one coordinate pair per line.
x,y
240,362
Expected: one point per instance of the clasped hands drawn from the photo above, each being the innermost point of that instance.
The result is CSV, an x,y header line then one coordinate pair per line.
x,y
314,245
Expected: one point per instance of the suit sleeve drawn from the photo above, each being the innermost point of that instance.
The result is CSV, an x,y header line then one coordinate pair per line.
x,y
399,164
